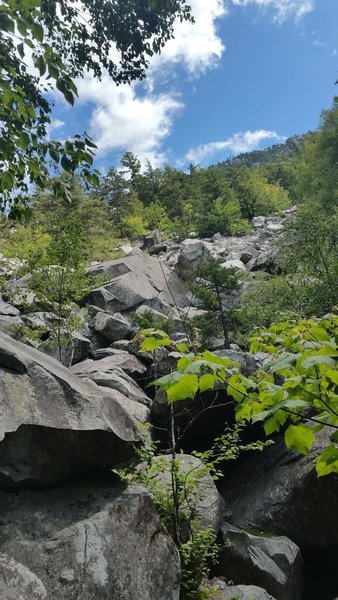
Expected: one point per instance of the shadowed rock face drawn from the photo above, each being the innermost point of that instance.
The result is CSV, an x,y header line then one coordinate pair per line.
x,y
279,492
53,424
273,562
92,540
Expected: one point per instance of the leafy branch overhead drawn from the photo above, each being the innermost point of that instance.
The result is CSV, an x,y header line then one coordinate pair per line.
x,y
64,39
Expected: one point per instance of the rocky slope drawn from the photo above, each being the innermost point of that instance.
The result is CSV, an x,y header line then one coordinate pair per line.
x,y
68,528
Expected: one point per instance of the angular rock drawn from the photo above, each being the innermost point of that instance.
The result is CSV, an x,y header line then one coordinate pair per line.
x,y
279,491
79,348
236,264
272,562
105,352
7,309
236,592
264,261
192,251
135,279
152,239
258,222
119,380
158,249
111,327
52,424
11,325
246,255
91,540
248,363
125,361
17,582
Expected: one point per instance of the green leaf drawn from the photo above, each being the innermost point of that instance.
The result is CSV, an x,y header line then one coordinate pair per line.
x,y
283,362
327,462
182,347
23,140
22,26
207,382
274,423
300,438
68,96
37,31
152,343
167,380
318,360
67,164
6,181
53,71
40,64
186,387
21,50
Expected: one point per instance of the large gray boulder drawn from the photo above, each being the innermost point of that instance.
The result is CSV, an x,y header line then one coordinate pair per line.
x,y
92,540
135,279
17,582
279,491
52,424
111,327
272,562
191,252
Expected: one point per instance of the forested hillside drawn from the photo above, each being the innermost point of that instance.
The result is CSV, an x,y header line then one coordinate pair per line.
x,y
132,201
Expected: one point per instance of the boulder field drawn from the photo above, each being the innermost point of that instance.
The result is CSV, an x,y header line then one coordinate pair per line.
x,y
68,528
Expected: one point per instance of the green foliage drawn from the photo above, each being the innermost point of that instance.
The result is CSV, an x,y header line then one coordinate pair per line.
x,y
177,487
264,299
155,217
175,490
65,41
56,268
197,554
150,320
23,242
317,178
87,208
298,388
308,255
216,287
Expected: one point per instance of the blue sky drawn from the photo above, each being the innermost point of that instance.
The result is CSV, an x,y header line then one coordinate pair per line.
x,y
248,74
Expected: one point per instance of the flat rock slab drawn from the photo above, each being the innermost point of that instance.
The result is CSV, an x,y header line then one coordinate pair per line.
x,y
91,541
125,361
222,591
53,424
120,381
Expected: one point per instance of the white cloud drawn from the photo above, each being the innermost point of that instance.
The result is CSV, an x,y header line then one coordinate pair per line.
x,y
283,8
196,46
236,144
122,120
